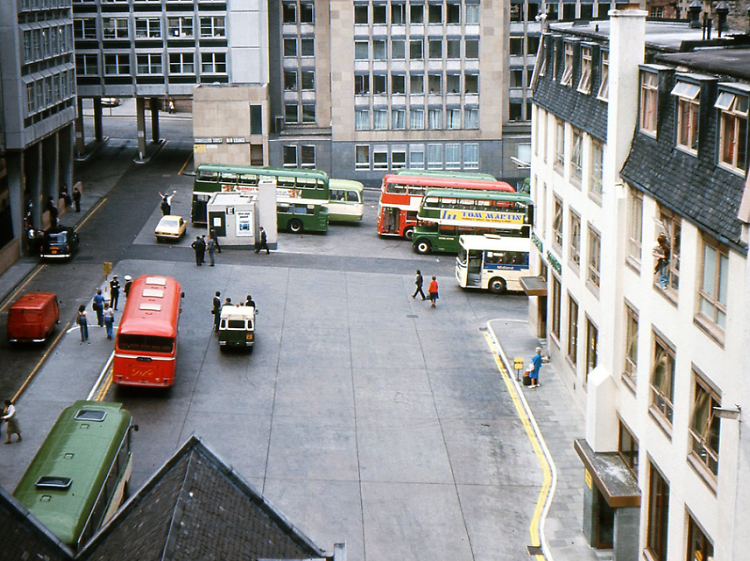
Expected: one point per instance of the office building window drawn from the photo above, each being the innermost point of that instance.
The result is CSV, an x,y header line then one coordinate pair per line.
x,y
308,113
567,76
148,64
452,156
453,48
662,380
308,156
416,84
584,84
557,225
398,157
453,118
604,86
658,515
362,120
688,107
649,102
180,27
380,157
434,156
213,63
147,28
435,118
291,113
290,156
574,248
117,64
362,157
416,119
416,156
115,28
471,156
712,294
380,119
705,430
627,449
572,330
471,118
595,250
379,51
733,130
630,371
592,347
398,119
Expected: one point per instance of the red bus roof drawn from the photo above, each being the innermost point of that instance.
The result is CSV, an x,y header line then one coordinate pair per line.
x,y
152,307
446,183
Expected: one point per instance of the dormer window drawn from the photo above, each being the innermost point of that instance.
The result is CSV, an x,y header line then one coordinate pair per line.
x,y
649,102
604,87
584,85
688,109
567,76
733,130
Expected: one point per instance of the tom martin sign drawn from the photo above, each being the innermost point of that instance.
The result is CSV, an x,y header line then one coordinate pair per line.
x,y
483,216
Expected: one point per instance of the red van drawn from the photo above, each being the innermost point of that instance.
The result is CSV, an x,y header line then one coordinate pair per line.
x,y
32,318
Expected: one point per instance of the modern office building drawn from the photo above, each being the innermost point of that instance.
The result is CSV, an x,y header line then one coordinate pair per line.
x,y
639,174
37,77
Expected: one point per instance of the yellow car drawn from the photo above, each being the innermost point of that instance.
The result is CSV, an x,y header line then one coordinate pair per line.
x,y
170,227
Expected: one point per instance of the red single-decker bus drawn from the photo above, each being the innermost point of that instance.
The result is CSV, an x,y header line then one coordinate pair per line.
x,y
146,342
401,195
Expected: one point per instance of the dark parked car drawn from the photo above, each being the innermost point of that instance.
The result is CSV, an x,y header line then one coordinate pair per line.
x,y
59,243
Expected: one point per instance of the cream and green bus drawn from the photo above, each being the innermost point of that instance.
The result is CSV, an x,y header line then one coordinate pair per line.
x,y
346,201
491,262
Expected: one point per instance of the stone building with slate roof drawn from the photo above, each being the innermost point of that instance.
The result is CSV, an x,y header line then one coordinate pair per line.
x,y
195,507
639,175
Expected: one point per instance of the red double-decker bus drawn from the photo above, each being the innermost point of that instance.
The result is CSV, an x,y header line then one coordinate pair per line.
x,y
401,195
146,342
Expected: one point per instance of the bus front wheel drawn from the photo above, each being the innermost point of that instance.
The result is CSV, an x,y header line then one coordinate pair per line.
x,y
295,226
497,285
423,247
409,233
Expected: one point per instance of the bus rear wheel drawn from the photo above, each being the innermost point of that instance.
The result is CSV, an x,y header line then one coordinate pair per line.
x,y
295,226
497,285
409,233
423,247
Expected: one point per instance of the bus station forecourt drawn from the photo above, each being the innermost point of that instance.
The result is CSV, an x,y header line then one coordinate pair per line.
x,y
363,415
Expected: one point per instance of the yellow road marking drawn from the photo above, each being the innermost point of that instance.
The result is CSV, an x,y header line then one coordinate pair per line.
x,y
40,363
541,458
20,288
91,213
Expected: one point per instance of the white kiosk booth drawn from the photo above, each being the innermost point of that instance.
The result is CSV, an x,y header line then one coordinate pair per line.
x,y
237,216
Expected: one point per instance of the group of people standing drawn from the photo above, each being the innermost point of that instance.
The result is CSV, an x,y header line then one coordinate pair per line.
x,y
432,289
217,305
105,310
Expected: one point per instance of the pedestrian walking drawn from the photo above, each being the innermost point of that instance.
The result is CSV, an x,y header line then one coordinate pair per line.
x,y
419,281
128,284
263,244
166,203
77,199
432,290
109,319
83,323
536,363
11,420
98,306
216,310
198,247
214,236
210,248
114,291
